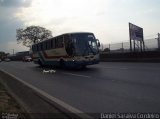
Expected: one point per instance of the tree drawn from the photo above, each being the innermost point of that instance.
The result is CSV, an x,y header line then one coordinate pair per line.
x,y
32,34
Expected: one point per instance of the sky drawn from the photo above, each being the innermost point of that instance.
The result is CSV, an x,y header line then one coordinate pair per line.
x,y
107,19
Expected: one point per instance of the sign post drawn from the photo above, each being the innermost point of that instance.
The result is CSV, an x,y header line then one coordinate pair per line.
x,y
130,39
136,34
158,39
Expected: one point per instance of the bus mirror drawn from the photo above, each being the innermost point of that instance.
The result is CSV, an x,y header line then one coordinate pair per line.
x,y
98,43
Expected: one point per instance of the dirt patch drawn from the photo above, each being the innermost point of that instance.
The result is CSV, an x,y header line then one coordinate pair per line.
x,y
9,106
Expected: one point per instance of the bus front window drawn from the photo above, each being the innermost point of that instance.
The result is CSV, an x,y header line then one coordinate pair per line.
x,y
85,44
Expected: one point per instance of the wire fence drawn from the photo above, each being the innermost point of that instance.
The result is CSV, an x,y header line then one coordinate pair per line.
x,y
149,45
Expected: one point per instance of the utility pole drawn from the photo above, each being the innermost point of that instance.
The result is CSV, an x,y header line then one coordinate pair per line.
x,y
122,47
158,39
13,51
130,39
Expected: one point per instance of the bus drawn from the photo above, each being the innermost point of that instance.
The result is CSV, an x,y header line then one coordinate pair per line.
x,y
67,50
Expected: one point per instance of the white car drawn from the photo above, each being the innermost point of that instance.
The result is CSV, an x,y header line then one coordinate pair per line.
x,y
27,59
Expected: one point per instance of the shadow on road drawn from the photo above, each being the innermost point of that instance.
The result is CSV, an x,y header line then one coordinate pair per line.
x,y
76,69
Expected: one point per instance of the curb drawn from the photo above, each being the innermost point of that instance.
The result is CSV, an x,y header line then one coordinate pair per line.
x,y
36,102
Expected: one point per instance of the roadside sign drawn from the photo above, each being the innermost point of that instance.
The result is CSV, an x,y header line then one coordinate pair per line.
x,y
136,32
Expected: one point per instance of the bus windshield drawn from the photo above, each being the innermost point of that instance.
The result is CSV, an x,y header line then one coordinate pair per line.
x,y
84,44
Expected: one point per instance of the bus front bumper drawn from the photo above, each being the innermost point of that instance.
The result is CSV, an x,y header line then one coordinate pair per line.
x,y
81,63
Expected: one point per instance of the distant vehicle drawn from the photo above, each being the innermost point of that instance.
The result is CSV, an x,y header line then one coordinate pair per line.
x,y
0,60
7,60
67,50
27,59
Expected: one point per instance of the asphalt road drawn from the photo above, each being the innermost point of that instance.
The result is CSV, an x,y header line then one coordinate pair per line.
x,y
106,87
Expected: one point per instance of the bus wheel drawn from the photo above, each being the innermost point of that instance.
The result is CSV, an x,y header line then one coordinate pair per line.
x,y
40,63
83,66
62,64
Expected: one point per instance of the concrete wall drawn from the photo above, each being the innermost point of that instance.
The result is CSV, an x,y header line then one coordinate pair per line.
x,y
148,56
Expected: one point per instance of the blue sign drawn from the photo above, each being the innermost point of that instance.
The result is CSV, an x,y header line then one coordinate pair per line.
x,y
136,32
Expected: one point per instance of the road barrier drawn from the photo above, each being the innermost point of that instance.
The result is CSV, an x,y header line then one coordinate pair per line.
x,y
147,56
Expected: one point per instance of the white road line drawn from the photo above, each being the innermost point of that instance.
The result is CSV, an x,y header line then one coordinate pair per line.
x,y
77,75
59,102
124,68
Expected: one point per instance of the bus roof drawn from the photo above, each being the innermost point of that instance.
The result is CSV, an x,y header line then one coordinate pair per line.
x,y
77,33
65,34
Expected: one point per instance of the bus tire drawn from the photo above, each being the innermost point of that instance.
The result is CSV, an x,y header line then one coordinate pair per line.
x,y
40,63
81,67
84,67
62,64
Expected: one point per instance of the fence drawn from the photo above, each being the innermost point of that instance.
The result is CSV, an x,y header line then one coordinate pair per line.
x,y
149,45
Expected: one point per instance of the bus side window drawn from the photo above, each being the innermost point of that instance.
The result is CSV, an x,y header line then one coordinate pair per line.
x,y
41,44
33,48
45,45
68,45
59,42
56,42
37,47
48,44
66,40
53,43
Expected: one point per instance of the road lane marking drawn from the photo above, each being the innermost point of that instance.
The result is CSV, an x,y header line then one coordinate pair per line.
x,y
66,106
85,76
123,68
